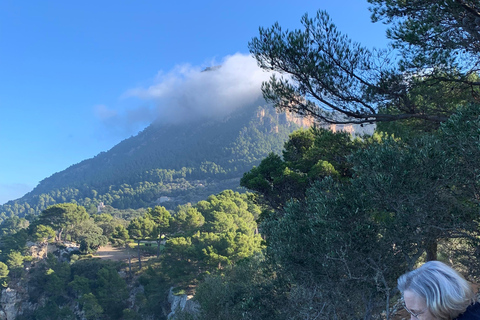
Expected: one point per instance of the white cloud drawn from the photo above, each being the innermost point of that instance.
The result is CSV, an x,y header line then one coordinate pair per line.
x,y
186,92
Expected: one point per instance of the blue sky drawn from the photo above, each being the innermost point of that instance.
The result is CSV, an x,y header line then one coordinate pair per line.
x,y
77,77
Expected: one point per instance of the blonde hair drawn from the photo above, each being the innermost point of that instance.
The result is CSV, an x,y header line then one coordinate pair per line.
x,y
446,292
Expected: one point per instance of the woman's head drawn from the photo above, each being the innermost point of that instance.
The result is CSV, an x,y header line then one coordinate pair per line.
x,y
437,288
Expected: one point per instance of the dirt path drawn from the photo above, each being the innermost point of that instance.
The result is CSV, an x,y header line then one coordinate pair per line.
x,y
114,253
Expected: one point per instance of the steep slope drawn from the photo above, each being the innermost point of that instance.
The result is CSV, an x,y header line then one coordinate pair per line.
x,y
174,163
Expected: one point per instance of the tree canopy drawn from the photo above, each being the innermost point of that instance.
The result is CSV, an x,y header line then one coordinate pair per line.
x,y
63,218
309,155
321,73
432,31
341,217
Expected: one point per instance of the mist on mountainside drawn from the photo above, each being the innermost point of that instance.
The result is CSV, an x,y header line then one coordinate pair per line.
x,y
211,125
189,93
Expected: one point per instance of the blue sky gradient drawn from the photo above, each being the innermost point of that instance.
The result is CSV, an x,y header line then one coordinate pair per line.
x,y
72,72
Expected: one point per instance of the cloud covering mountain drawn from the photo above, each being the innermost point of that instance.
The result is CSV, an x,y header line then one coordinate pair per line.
x,y
190,92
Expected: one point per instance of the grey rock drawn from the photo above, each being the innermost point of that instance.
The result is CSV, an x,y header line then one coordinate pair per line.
x,y
8,302
181,302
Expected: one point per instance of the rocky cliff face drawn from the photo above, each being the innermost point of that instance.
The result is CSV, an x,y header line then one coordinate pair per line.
x,y
181,302
38,251
8,301
14,302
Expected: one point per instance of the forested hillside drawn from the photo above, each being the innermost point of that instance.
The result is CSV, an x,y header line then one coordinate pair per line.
x,y
191,242
346,218
332,220
182,162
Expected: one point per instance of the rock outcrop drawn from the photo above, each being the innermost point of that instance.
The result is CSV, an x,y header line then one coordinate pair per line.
x,y
13,302
38,251
8,300
181,302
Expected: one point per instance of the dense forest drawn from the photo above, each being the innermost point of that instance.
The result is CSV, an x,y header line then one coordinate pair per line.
x,y
191,242
345,218
182,163
330,220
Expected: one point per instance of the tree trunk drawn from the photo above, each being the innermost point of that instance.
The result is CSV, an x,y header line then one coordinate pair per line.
x,y
431,250
139,257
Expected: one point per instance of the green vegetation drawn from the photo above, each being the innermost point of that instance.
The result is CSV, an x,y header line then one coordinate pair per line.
x,y
95,284
346,218
199,239
336,244
204,159
333,79
309,155
333,221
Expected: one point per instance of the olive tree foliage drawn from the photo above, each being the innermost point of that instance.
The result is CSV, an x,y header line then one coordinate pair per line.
x,y
461,136
108,223
89,235
414,195
347,243
320,72
330,246
246,290
119,235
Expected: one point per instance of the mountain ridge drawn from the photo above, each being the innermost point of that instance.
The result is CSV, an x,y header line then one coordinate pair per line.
x,y
165,160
